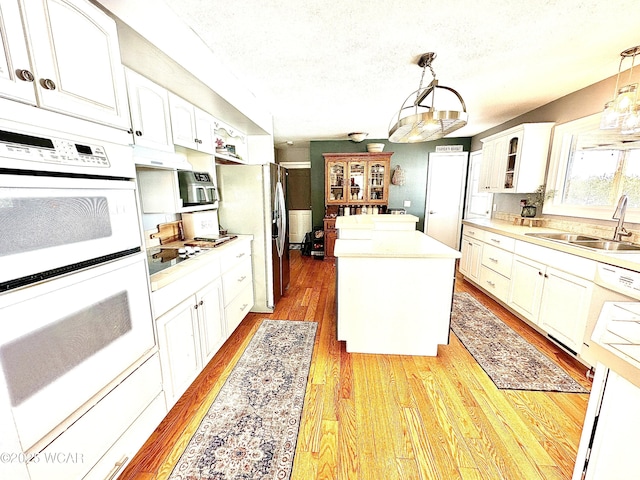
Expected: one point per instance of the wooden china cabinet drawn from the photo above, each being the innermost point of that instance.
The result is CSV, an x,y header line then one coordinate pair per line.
x,y
354,180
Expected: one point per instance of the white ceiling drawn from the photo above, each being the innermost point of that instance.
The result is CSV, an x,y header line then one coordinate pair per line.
x,y
325,68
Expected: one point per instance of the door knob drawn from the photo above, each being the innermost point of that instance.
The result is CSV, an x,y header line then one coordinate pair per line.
x,y
431,212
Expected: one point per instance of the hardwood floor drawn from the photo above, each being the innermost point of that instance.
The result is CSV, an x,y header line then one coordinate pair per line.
x,y
391,416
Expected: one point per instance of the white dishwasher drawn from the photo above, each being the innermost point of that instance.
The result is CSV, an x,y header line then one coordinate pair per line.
x,y
610,438
611,284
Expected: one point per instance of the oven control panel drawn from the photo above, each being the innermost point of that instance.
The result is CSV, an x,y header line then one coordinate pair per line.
x,y
30,148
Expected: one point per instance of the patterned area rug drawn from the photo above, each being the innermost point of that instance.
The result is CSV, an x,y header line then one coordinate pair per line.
x,y
251,428
510,361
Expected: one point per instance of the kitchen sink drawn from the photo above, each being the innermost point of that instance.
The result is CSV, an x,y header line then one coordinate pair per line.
x,y
587,241
564,237
608,245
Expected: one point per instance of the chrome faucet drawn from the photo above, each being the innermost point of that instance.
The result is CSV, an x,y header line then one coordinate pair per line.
x,y
619,214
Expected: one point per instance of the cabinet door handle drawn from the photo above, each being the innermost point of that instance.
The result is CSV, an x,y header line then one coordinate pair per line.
x,y
241,279
491,283
540,273
240,255
25,75
495,240
494,260
546,276
138,133
243,307
47,84
116,468
431,212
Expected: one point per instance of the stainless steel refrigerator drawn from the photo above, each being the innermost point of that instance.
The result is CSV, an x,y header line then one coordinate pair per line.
x,y
253,201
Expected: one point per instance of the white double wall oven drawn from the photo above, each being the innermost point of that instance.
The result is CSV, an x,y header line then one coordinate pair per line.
x,y
75,316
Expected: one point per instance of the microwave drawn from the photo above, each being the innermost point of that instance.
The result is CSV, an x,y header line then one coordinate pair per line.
x,y
197,188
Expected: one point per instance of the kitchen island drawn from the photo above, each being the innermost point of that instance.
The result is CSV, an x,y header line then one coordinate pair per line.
x,y
394,291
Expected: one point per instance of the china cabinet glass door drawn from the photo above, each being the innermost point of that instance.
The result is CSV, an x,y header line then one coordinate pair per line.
x,y
357,183
377,172
336,181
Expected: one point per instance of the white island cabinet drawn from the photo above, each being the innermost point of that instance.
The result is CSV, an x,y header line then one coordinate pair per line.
x,y
394,291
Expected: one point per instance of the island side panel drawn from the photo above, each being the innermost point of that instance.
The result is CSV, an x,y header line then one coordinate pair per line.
x,y
392,305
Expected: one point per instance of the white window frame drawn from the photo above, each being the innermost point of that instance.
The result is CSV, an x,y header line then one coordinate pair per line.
x,y
560,150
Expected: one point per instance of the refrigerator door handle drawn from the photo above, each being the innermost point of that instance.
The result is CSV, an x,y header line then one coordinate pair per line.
x,y
281,219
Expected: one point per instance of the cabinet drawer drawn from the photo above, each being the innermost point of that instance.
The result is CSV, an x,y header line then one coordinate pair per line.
x,y
236,279
115,460
86,441
497,260
494,283
497,240
234,254
238,309
473,232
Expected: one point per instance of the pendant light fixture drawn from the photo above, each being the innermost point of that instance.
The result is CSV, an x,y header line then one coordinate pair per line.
x,y
623,112
421,121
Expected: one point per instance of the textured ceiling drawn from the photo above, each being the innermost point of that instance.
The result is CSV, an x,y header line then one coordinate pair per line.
x,y
325,68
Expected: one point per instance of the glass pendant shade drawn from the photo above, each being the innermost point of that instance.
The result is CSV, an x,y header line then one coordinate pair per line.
x,y
622,112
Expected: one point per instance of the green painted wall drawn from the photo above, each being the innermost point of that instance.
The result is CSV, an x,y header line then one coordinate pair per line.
x,y
412,158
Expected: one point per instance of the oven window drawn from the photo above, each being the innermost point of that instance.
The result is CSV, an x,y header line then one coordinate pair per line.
x,y
28,224
35,360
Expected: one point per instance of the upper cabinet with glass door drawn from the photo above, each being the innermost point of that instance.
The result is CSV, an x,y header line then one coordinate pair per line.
x,y
514,161
357,178
57,71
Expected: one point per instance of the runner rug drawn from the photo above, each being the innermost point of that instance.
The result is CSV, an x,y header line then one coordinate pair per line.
x,y
251,428
510,361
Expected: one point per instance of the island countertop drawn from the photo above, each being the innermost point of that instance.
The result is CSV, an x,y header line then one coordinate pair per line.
x,y
408,244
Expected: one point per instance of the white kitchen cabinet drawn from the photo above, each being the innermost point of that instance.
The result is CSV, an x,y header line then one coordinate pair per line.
x,y
192,128
556,301
237,283
515,160
16,72
471,258
211,327
179,349
150,115
527,280
189,335
495,265
493,165
75,59
564,307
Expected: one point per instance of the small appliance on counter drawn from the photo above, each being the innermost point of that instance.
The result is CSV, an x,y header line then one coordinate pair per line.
x,y
197,188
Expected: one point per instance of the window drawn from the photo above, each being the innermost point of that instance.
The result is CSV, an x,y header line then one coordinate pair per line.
x,y
591,168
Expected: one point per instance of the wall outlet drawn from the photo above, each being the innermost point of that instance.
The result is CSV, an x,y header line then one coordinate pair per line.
x,y
407,203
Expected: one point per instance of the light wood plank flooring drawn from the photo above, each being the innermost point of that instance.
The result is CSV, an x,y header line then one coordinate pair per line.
x,y
393,417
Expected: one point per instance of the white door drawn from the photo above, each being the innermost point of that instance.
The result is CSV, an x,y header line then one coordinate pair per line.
x,y
446,178
299,225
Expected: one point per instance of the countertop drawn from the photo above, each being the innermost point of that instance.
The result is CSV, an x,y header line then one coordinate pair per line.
x,y
401,244
630,261
171,274
376,222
